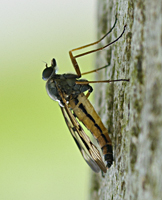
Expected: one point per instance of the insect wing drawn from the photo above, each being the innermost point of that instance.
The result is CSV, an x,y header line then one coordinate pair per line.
x,y
83,151
88,150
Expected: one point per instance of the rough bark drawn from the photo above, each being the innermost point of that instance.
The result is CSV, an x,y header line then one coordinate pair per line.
x,y
132,111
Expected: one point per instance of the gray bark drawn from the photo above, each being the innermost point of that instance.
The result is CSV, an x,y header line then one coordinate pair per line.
x,y
132,111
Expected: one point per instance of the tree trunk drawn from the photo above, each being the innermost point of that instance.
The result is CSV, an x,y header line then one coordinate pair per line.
x,y
132,111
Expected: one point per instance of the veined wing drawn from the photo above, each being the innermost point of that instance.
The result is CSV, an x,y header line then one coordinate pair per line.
x,y
88,150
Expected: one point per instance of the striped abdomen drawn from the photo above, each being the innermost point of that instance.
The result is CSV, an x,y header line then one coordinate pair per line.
x,y
85,112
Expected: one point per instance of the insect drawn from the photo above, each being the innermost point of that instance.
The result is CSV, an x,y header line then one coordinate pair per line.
x,y
69,90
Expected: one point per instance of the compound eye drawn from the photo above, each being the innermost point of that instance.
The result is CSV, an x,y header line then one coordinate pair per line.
x,y
47,72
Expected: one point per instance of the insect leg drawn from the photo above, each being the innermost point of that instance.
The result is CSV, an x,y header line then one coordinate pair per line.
x,y
101,48
75,64
87,45
103,81
73,58
89,91
95,70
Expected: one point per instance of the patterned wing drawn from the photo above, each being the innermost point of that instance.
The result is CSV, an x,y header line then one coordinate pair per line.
x,y
88,150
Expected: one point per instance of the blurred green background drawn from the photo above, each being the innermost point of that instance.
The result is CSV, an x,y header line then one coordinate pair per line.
x,y
38,157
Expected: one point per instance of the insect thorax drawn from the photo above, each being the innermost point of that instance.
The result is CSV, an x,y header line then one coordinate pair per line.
x,y
67,85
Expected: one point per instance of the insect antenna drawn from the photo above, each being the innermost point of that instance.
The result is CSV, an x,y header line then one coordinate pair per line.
x,y
45,63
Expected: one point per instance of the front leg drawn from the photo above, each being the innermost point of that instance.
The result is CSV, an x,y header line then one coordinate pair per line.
x,y
73,58
75,64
